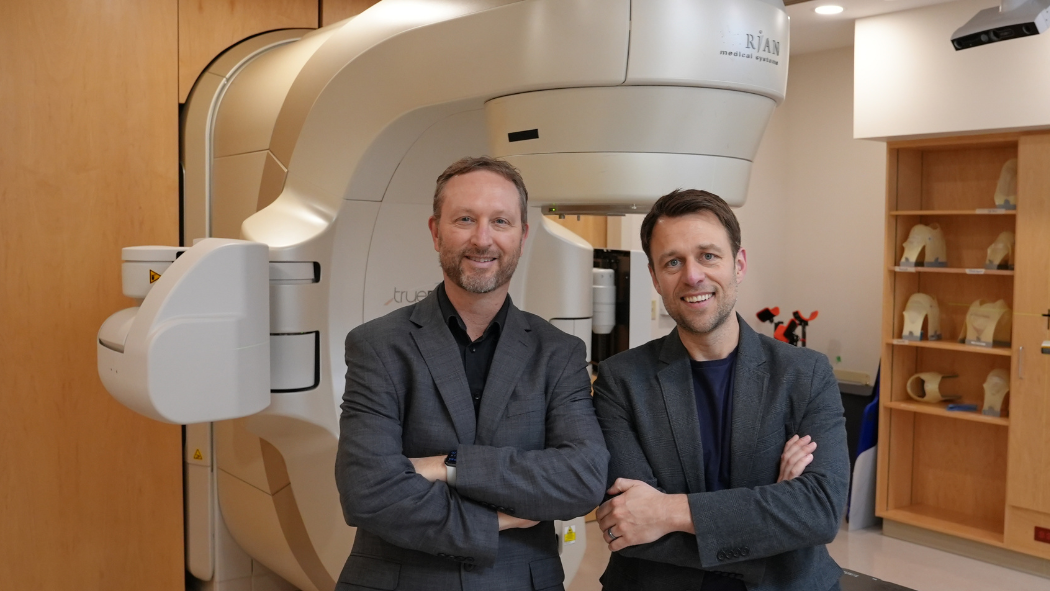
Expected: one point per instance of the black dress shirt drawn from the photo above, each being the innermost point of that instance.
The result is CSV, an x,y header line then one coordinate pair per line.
x,y
477,355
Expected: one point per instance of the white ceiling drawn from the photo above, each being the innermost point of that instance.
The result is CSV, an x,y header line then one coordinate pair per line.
x,y
814,32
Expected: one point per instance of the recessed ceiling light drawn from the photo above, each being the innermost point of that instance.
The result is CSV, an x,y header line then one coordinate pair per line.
x,y
828,9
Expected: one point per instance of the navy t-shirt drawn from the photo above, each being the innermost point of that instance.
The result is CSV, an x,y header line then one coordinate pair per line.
x,y
713,389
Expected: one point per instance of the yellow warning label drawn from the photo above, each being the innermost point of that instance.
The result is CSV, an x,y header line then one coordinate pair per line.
x,y
570,534
197,455
153,276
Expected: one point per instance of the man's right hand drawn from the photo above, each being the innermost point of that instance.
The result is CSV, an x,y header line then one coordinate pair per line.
x,y
510,522
798,453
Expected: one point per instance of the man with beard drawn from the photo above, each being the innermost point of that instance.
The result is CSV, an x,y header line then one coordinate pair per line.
x,y
717,482
467,425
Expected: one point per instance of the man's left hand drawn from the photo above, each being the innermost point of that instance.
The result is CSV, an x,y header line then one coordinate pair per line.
x,y
432,468
641,514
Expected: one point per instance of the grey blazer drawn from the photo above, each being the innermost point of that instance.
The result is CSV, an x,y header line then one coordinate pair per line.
x,y
770,535
534,451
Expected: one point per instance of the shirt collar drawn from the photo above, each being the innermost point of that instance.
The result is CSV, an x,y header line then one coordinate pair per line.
x,y
454,320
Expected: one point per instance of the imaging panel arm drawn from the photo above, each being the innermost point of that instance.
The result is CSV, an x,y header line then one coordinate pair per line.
x,y
198,347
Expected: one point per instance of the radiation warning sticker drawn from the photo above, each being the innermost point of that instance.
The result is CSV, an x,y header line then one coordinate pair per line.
x,y
569,536
197,455
153,276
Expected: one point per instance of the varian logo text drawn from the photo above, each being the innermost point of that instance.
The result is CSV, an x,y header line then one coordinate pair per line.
x,y
755,46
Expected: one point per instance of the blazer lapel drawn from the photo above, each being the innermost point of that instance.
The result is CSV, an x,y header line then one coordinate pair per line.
x,y
512,354
441,354
750,384
676,385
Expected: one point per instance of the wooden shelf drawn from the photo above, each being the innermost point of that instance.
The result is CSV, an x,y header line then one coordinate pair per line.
x,y
948,522
956,270
941,409
989,211
953,346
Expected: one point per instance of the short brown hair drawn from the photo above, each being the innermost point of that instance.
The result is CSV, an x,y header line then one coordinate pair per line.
x,y
471,164
679,203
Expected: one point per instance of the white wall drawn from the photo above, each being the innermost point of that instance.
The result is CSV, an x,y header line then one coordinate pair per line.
x,y
813,223
911,81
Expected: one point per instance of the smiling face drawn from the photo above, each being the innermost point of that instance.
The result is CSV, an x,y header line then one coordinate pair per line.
x,y
479,233
695,272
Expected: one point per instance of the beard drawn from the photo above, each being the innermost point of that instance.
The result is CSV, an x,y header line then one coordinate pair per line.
x,y
703,325
478,281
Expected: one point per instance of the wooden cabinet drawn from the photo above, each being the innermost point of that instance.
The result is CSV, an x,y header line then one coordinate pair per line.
x,y
980,478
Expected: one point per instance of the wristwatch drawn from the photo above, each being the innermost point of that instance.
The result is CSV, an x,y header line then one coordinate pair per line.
x,y
450,469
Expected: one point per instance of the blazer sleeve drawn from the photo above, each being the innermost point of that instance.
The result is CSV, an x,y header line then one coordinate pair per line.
x,y
739,524
380,491
564,480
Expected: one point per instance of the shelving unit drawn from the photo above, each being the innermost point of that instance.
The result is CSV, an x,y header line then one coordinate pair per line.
x,y
963,474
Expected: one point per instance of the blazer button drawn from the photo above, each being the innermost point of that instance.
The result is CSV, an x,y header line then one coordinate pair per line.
x,y
721,555
745,551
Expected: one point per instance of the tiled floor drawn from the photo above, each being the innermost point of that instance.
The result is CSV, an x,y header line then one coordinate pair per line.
x,y
869,552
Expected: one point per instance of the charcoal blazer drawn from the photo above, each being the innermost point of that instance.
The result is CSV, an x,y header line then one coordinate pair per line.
x,y
770,535
534,451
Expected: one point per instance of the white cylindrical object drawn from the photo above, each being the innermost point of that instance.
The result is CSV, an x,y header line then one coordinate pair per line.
x,y
604,293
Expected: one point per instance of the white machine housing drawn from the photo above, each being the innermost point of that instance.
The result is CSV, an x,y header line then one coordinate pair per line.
x,y
326,146
199,349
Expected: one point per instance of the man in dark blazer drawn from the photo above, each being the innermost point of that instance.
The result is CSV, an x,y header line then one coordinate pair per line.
x,y
467,425
716,476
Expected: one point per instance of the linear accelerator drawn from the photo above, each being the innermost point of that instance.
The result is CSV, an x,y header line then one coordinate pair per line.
x,y
310,159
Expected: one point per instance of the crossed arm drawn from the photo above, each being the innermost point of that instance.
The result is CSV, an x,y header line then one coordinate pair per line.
x,y
641,514
406,501
801,509
433,469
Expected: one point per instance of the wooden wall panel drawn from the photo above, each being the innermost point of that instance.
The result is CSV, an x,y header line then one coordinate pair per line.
x,y
91,492
333,11
591,228
208,27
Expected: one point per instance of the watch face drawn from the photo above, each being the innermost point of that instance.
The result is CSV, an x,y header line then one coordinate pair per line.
x,y
450,459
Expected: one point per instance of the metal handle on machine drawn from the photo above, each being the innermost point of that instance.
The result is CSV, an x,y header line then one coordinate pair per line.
x,y
1020,362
